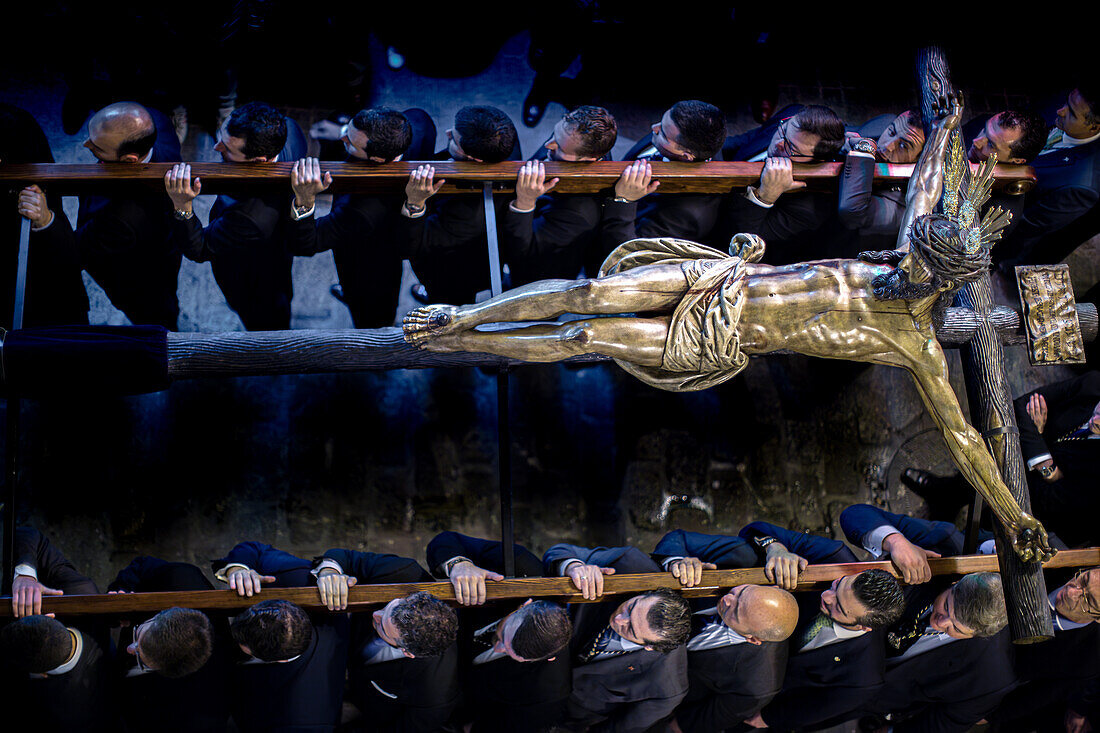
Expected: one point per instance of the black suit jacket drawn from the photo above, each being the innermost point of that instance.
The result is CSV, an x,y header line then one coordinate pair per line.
x,y
502,695
302,695
630,692
82,698
403,694
152,702
125,242
1067,191
949,688
54,294
729,684
1067,505
250,242
691,216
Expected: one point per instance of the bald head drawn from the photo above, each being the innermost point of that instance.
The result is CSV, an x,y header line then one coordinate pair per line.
x,y
121,132
759,612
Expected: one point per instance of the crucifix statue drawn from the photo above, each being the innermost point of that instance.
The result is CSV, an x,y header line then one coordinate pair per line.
x,y
682,316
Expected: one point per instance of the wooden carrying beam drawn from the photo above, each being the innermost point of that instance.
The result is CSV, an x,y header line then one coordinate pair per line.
x,y
253,353
362,597
713,177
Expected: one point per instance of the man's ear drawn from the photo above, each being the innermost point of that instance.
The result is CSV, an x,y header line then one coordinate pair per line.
x,y
528,602
753,640
129,158
1015,161
258,159
408,654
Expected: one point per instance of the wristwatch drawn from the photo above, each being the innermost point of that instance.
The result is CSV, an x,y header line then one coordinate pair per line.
x,y
763,541
182,215
1047,472
447,566
865,145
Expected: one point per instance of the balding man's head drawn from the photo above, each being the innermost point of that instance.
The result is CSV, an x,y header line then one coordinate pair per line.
x,y
759,612
121,132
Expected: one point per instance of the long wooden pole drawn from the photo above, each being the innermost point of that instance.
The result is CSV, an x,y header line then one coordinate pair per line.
x,y
712,177
360,597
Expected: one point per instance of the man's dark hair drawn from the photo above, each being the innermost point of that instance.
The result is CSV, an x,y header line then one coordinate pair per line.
x,y
980,603
140,143
669,616
596,128
35,644
388,132
1033,133
178,641
427,625
544,630
273,630
261,126
1090,95
702,128
824,123
913,113
881,593
485,133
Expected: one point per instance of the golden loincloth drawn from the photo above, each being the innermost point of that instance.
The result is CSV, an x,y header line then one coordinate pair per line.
x,y
703,346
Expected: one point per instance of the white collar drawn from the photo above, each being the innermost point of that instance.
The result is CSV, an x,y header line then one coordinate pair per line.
x,y
78,648
846,633
1069,140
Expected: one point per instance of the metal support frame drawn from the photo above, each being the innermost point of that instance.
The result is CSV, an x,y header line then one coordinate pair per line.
x,y
504,433
12,434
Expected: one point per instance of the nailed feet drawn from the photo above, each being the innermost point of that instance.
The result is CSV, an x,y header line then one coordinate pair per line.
x,y
427,323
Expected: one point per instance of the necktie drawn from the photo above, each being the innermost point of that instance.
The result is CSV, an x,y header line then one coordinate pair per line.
x,y
1078,434
700,621
908,632
598,645
1053,139
487,638
819,623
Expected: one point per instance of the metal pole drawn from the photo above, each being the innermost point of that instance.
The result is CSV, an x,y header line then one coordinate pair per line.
x,y
504,434
12,433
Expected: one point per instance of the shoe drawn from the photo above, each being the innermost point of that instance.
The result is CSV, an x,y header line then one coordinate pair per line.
x,y
534,105
919,481
420,294
337,292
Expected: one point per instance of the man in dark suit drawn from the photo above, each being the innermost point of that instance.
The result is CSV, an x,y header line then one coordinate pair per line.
x,y
549,235
515,663
295,666
790,224
949,661
737,652
173,658
54,294
404,660
123,239
362,229
1051,672
690,131
629,658
836,659
59,671
447,246
1068,190
1060,439
251,239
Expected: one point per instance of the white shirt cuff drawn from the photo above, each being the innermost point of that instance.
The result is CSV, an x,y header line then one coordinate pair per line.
x,y
750,194
1033,462
53,218
566,564
872,541
514,208
989,547
669,561
223,574
24,569
326,563
298,217
405,212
